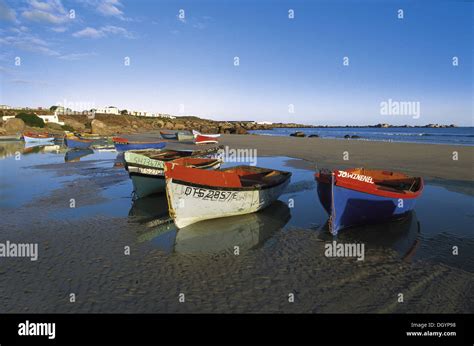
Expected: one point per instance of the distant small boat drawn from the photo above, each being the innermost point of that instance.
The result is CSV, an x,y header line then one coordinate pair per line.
x,y
185,137
361,196
150,180
124,146
195,195
76,154
200,139
168,135
90,136
10,138
74,142
30,137
119,140
197,133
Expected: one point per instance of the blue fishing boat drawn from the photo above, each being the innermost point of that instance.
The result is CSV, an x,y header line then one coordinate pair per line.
x,y
361,196
121,146
77,143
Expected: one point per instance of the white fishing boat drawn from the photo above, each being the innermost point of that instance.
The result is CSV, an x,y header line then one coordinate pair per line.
x,y
37,138
197,133
195,195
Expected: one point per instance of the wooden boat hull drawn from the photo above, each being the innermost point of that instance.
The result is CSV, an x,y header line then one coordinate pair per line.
x,y
76,143
196,133
166,135
139,145
185,137
205,140
148,181
30,139
349,207
190,202
157,158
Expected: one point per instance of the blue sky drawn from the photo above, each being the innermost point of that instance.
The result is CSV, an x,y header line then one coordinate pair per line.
x,y
186,66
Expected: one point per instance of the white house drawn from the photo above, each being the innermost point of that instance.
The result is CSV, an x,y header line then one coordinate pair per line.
x,y
264,122
108,110
5,107
51,118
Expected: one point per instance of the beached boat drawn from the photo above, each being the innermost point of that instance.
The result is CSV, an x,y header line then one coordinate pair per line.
x,y
124,146
197,133
7,138
30,137
147,181
200,139
195,195
156,158
168,135
362,196
119,140
77,143
185,137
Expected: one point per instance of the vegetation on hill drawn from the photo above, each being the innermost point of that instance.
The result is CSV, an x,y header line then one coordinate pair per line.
x,y
31,119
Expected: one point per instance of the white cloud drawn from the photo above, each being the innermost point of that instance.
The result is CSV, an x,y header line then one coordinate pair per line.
x,y
28,82
76,56
103,32
59,29
89,32
6,13
108,8
28,42
48,11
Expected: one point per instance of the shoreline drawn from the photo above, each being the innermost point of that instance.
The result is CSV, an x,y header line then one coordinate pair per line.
x,y
426,160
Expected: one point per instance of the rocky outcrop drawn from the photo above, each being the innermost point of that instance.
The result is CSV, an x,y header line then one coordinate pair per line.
x,y
100,128
76,125
298,134
14,126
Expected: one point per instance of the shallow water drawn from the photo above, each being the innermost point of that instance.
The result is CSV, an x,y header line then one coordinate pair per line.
x,y
281,249
452,135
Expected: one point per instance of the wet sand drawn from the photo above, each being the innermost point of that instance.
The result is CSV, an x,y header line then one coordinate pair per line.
x,y
85,256
428,160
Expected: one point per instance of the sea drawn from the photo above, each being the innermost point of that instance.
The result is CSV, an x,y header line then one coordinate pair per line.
x,y
450,135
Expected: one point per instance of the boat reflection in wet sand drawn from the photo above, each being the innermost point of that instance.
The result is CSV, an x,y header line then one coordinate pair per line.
x,y
222,235
402,235
75,155
210,236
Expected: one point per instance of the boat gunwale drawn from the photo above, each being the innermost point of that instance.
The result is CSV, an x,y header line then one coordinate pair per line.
x,y
362,187
285,178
